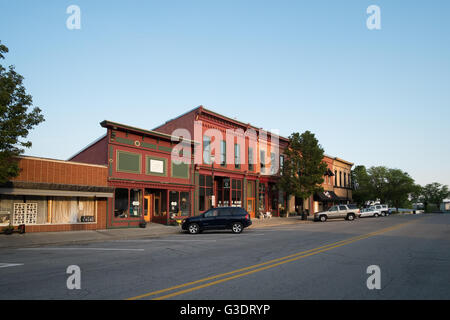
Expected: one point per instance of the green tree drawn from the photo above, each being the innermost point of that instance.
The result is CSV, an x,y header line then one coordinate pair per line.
x,y
434,193
362,190
378,182
399,186
416,194
15,120
303,167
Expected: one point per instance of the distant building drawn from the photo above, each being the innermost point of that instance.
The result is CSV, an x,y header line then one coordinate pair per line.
x,y
445,205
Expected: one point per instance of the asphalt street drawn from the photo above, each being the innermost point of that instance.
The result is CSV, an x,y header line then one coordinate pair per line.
x,y
305,261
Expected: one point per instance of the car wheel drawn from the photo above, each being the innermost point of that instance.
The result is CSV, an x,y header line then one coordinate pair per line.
x,y
323,218
351,217
194,228
237,227
376,215
383,214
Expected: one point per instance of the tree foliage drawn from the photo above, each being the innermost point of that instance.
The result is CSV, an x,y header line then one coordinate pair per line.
x,y
15,119
361,186
392,186
434,193
303,167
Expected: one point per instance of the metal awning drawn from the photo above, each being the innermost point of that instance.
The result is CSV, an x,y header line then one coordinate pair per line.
x,y
326,196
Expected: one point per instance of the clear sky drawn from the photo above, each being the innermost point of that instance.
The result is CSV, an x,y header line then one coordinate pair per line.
x,y
372,97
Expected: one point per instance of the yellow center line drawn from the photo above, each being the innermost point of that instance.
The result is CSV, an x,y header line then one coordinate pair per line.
x,y
259,267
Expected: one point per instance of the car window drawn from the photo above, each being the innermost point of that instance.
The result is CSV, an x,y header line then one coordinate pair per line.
x,y
211,213
342,208
224,212
238,211
333,208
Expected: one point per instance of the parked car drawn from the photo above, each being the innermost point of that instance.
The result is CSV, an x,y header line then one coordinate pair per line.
x,y
382,208
349,212
369,212
234,218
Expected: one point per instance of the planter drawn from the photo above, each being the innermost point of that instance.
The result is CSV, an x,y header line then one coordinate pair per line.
x,y
142,224
8,231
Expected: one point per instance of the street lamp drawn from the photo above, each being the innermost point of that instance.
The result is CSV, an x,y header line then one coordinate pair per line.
x,y
213,200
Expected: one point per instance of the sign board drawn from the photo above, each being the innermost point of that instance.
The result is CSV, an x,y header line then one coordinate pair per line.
x,y
156,166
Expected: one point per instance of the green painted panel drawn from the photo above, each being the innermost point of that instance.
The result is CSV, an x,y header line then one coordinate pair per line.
x,y
128,162
167,149
148,145
125,141
180,170
159,166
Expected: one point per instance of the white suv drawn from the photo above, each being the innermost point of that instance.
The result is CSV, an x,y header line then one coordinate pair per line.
x,y
349,212
382,208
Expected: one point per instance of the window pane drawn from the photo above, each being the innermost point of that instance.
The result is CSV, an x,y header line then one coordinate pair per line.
x,y
135,202
121,203
206,150
185,203
174,206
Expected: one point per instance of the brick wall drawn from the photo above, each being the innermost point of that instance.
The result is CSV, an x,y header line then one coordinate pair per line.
x,y
61,172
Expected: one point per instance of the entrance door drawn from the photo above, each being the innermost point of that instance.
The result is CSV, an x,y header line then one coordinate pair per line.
x,y
156,208
148,208
251,207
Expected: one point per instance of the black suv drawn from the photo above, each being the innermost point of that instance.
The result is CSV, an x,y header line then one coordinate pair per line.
x,y
234,218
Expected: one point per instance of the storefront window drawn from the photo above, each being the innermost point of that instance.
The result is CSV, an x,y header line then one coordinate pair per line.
x,y
39,210
121,203
135,202
262,197
185,203
236,193
174,202
205,193
223,196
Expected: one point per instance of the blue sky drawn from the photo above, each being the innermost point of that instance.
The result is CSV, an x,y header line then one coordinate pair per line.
x,y
373,97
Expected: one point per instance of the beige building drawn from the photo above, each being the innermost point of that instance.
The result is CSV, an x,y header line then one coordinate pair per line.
x,y
342,179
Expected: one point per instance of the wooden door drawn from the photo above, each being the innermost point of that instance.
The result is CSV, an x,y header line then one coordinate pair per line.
x,y
148,208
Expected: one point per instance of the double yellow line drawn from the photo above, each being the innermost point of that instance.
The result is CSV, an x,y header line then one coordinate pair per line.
x,y
259,267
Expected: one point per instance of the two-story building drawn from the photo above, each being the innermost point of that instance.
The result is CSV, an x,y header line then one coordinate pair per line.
x,y
151,183
236,164
342,180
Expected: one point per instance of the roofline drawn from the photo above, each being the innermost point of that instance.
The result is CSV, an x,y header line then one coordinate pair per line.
x,y
87,147
108,123
61,161
181,115
239,122
344,161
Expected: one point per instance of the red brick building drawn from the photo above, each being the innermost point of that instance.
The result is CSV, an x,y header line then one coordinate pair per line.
x,y
246,165
55,195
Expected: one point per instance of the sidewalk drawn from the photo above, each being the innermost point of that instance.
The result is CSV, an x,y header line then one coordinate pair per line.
x,y
152,230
